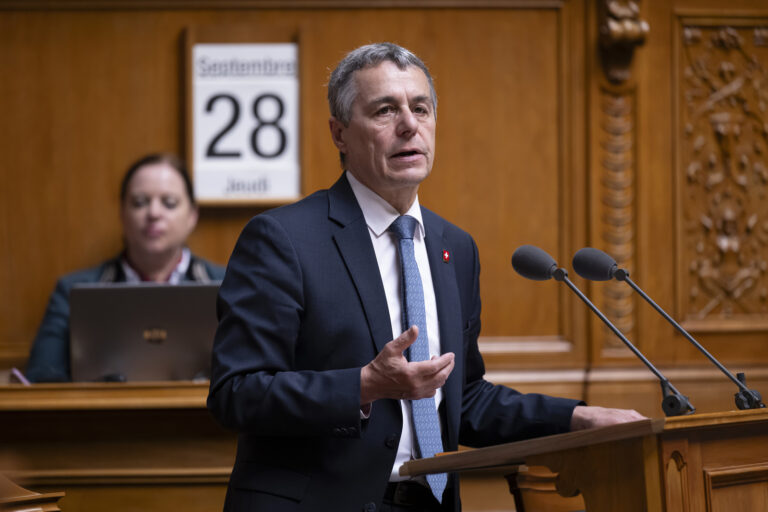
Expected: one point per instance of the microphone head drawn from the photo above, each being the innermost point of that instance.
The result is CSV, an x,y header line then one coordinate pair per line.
x,y
533,263
594,264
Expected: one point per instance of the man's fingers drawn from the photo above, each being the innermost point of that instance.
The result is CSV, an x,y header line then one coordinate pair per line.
x,y
394,377
437,363
433,369
428,376
593,416
406,339
446,370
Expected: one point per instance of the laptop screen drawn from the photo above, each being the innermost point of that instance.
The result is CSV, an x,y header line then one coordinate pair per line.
x,y
142,332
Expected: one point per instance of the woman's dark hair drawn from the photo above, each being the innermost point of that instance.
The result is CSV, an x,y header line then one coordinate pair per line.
x,y
159,158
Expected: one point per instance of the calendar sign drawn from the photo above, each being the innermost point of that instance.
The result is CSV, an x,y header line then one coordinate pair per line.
x,y
245,117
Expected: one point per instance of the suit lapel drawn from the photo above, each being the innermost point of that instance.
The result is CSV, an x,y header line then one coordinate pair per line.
x,y
448,314
354,244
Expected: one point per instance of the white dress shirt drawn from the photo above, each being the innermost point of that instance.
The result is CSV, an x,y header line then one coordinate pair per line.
x,y
379,214
177,275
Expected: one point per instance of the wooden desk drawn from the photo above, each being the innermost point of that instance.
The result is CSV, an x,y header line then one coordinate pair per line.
x,y
17,499
142,446
117,447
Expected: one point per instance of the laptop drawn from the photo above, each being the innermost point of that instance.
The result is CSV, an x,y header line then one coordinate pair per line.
x,y
142,332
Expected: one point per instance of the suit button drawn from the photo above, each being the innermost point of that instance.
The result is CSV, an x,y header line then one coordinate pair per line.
x,y
369,507
391,441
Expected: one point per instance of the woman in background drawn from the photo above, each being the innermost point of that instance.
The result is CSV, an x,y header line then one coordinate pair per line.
x,y
158,212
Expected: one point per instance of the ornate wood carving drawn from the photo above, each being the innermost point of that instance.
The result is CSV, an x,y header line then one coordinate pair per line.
x,y
617,163
621,30
723,175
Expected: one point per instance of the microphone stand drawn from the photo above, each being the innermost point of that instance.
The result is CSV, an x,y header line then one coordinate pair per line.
x,y
746,398
673,402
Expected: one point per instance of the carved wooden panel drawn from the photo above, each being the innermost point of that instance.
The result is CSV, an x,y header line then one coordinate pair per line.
x,y
737,488
722,174
676,483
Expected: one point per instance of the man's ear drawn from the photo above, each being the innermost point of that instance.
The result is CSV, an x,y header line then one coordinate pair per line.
x,y
337,133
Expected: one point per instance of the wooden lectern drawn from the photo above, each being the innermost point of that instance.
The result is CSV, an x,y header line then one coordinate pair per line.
x,y
704,462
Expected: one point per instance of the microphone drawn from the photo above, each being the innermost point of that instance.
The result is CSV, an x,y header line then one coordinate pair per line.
x,y
594,264
534,263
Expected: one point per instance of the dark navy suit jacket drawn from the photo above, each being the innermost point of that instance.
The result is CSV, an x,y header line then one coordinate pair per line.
x,y
302,308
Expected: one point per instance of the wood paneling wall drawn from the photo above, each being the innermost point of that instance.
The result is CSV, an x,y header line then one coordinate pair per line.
x,y
542,139
89,88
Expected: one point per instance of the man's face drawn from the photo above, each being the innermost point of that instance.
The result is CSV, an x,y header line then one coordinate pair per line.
x,y
389,144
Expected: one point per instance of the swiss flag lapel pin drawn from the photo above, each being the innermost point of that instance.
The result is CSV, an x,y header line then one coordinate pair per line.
x,y
446,256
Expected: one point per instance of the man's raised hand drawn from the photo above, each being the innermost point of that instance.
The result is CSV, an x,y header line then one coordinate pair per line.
x,y
390,375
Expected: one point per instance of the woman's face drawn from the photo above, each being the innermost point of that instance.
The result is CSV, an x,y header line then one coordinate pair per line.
x,y
157,214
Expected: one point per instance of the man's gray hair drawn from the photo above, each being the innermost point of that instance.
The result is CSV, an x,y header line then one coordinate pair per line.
x,y
341,87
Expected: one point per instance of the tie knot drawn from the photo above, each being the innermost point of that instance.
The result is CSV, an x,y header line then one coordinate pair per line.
x,y
404,227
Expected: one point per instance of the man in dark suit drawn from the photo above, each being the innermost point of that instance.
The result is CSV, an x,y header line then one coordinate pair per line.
x,y
310,360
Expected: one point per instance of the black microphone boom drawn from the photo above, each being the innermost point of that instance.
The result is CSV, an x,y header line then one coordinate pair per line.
x,y
594,264
534,263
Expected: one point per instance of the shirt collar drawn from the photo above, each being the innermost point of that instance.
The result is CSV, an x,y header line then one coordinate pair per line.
x,y
132,276
378,213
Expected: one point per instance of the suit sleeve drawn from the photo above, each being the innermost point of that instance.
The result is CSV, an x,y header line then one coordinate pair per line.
x,y
49,356
493,414
255,384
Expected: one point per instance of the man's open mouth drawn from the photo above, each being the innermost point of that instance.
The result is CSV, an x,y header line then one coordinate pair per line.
x,y
406,153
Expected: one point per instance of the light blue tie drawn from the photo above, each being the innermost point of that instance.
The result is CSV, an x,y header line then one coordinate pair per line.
x,y
425,419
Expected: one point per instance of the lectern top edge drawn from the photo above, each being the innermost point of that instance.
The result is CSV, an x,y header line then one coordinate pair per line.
x,y
715,418
516,453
